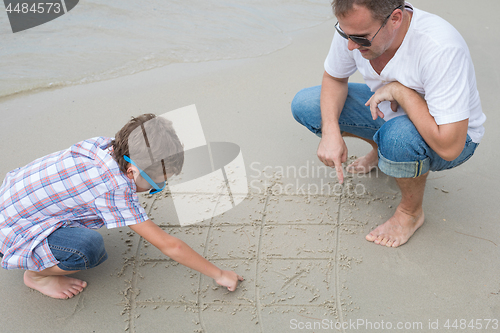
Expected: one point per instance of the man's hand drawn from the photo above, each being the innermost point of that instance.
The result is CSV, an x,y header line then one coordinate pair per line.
x,y
385,93
332,151
228,279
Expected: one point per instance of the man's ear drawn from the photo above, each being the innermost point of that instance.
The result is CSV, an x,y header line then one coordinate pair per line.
x,y
397,18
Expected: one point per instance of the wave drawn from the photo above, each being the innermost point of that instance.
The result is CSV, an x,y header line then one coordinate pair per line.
x,y
100,40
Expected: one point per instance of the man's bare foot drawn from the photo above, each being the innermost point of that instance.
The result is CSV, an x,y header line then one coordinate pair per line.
x,y
364,164
55,286
397,230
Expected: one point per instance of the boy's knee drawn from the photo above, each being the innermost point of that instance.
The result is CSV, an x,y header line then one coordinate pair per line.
x,y
94,250
78,248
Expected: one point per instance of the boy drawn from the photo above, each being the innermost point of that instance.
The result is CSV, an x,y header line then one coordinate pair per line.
x,y
49,207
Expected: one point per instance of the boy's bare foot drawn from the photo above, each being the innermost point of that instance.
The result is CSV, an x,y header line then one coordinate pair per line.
x,y
364,164
397,230
55,286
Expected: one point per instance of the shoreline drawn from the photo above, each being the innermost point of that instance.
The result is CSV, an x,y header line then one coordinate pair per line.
x,y
100,108
59,85
144,63
300,256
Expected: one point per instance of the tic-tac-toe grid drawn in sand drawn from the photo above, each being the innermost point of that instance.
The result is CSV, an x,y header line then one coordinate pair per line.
x,y
286,247
304,259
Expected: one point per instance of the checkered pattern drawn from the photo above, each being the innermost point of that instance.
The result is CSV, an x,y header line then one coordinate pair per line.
x,y
81,186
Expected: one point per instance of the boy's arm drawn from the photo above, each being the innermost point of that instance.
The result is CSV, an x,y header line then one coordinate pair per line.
x,y
185,255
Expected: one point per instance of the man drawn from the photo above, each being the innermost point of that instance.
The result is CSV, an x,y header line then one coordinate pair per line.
x,y
419,109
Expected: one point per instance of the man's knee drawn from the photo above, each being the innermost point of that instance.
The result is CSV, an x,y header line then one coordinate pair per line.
x,y
306,103
398,140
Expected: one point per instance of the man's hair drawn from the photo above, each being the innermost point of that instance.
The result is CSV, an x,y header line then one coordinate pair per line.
x,y
380,9
162,140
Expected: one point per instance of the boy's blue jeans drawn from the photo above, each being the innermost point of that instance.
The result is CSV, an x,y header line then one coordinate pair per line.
x,y
402,151
76,248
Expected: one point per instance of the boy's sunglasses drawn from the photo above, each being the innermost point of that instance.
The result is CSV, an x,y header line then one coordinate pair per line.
x,y
157,187
362,41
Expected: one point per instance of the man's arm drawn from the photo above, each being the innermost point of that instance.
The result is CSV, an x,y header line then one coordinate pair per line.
x,y
332,150
185,255
446,140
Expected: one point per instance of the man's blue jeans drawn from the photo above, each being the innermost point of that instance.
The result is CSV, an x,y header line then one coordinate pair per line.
x,y
76,248
402,151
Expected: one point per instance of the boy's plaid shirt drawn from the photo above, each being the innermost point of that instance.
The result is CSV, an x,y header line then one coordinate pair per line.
x,y
81,186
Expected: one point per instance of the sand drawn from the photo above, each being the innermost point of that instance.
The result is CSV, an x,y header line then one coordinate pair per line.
x,y
304,257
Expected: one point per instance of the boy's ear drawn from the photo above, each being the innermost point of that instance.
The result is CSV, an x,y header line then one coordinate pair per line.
x,y
130,172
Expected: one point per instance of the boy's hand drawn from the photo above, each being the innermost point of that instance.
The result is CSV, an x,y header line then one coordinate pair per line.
x,y
229,279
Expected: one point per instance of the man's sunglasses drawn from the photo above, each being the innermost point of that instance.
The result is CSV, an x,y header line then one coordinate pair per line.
x,y
362,41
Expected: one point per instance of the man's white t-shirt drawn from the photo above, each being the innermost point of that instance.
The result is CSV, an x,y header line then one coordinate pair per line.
x,y
433,60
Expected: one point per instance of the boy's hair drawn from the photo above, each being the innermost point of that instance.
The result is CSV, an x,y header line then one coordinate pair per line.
x,y
379,8
148,140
